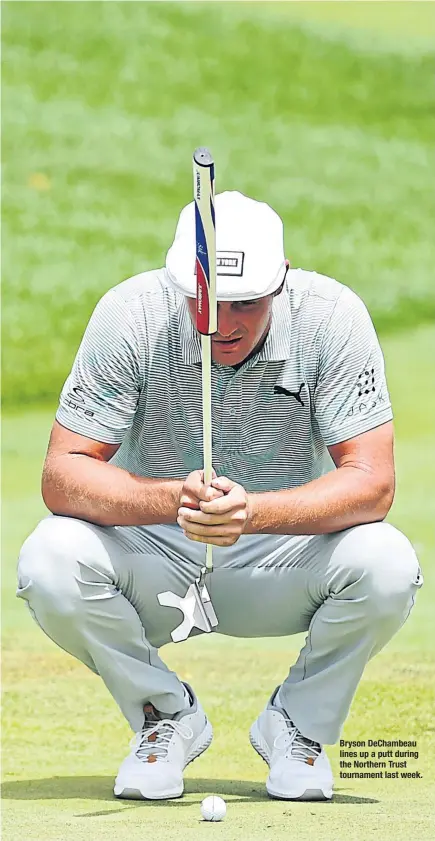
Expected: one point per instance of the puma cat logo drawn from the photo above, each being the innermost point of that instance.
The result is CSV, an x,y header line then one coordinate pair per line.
x,y
296,394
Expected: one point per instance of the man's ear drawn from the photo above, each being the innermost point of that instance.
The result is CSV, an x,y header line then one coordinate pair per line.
x,y
280,288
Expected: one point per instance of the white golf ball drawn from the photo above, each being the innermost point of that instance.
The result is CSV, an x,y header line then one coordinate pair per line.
x,y
213,808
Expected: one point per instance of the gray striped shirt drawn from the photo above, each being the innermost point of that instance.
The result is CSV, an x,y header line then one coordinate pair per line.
x,y
318,380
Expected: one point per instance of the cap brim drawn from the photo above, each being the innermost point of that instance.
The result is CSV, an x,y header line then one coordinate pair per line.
x,y
226,287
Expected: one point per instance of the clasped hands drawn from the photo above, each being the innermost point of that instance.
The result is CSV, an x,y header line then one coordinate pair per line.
x,y
216,514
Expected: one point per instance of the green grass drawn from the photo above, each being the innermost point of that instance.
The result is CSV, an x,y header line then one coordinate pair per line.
x,y
103,104
390,24
63,736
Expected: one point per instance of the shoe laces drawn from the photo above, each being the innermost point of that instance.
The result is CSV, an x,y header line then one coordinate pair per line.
x,y
154,741
297,746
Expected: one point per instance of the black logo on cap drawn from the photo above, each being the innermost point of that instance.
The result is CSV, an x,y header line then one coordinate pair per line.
x,y
230,263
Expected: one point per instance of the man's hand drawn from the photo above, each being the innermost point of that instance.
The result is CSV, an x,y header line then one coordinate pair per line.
x,y
194,491
222,518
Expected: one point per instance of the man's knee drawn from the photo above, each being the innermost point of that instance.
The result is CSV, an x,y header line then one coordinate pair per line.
x,y
383,566
50,560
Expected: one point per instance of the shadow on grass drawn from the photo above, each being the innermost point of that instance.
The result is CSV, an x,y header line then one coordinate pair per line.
x,y
100,788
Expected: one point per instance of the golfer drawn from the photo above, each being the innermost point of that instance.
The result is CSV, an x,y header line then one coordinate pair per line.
x,y
304,478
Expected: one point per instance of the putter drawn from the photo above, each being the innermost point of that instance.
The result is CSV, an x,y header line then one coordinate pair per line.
x,y
196,605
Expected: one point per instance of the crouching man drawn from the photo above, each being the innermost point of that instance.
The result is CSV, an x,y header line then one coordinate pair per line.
x,y
304,478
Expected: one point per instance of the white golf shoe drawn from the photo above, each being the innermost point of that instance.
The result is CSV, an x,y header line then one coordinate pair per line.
x,y
160,752
299,767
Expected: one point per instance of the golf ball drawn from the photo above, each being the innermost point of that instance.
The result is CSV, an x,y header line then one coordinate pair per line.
x,y
213,808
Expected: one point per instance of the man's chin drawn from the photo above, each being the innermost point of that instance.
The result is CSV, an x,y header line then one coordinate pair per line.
x,y
228,356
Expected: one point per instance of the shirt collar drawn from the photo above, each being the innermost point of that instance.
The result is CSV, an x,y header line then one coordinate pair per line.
x,y
189,337
277,346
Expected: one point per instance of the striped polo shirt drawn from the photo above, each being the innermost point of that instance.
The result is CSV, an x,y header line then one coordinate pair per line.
x,y
317,380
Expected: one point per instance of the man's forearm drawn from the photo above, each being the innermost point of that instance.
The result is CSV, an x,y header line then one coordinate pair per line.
x,y
343,498
89,489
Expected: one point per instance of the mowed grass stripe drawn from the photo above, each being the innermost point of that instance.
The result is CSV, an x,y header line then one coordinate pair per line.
x,y
102,107
390,24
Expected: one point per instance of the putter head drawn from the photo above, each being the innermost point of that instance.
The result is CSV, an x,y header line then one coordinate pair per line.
x,y
206,603
197,609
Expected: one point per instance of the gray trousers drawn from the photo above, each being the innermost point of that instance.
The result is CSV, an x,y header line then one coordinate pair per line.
x,y
93,591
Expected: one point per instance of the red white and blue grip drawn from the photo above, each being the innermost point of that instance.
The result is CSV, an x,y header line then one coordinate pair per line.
x,y
205,227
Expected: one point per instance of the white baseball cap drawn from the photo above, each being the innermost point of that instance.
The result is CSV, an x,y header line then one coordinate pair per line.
x,y
249,249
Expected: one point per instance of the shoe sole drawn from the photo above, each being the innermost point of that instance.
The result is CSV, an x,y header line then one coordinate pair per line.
x,y
199,746
260,746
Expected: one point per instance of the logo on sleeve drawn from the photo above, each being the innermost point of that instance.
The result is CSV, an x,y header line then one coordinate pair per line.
x,y
75,400
367,398
366,382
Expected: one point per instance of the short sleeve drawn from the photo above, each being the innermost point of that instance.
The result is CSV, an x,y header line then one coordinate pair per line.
x,y
100,396
351,395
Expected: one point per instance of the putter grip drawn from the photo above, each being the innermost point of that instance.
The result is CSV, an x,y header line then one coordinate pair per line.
x,y
205,242
203,157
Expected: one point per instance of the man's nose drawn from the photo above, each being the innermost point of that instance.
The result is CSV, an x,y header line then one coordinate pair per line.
x,y
225,320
